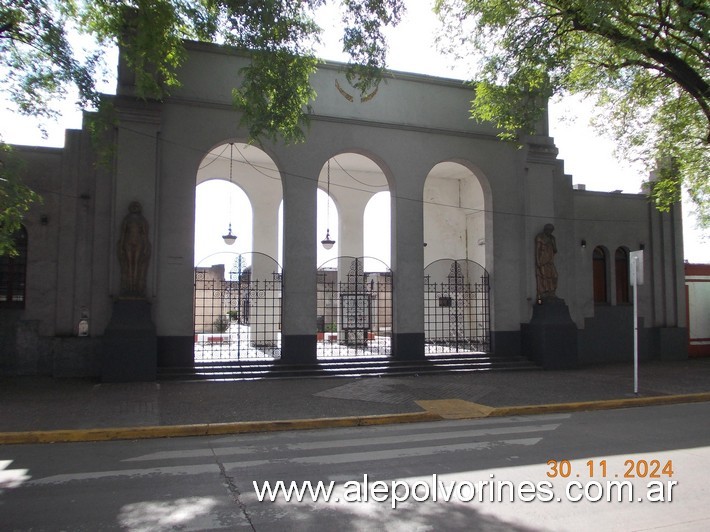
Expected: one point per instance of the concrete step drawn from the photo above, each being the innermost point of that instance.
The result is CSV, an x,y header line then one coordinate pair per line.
x,y
350,367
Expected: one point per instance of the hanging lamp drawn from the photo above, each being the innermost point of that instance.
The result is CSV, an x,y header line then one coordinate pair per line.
x,y
327,242
229,238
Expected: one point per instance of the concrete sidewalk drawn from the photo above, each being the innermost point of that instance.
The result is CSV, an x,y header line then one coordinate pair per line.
x,y
38,409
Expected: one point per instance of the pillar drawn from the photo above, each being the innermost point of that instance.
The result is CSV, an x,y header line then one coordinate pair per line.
x,y
408,271
298,327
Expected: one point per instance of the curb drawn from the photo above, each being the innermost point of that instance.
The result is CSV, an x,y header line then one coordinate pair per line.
x,y
207,429
242,427
609,404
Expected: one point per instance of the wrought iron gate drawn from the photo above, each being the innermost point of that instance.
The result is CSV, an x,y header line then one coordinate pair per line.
x,y
354,309
456,307
237,313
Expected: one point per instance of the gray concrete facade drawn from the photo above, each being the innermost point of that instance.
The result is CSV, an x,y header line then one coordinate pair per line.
x,y
408,128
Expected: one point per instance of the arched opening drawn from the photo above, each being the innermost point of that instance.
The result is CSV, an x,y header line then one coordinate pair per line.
x,y
454,215
353,181
457,315
621,267
354,290
599,275
237,292
13,273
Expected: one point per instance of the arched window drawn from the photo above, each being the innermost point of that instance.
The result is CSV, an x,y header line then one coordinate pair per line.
x,y
13,271
621,261
599,274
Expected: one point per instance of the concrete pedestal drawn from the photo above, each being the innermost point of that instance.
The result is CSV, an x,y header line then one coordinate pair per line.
x,y
550,339
130,345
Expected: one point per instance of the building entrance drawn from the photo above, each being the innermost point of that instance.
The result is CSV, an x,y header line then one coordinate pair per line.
x,y
237,313
456,307
354,308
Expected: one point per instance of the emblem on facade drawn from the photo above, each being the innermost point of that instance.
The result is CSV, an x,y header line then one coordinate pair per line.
x,y
349,97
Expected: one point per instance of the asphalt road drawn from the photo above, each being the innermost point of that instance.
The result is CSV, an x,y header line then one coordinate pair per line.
x,y
558,469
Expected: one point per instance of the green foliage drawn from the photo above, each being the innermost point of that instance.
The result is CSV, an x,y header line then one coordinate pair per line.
x,y
280,34
149,33
15,199
221,324
645,62
37,62
275,93
99,125
363,38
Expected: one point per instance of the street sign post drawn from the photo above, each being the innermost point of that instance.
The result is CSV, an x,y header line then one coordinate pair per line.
x,y
636,275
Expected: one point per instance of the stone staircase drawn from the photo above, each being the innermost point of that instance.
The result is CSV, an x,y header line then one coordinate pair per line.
x,y
350,367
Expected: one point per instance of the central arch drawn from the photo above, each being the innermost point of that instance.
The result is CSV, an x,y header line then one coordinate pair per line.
x,y
354,291
354,308
238,281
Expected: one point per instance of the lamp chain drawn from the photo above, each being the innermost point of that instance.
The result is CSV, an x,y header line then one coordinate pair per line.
x,y
231,159
328,202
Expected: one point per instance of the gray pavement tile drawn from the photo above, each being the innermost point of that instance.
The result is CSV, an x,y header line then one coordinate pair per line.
x,y
42,403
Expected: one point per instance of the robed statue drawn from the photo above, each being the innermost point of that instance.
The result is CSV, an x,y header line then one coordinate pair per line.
x,y
545,271
134,252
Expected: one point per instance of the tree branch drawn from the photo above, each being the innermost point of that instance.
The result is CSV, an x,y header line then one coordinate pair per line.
x,y
677,69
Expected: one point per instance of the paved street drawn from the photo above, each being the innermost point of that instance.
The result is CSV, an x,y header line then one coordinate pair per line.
x,y
208,483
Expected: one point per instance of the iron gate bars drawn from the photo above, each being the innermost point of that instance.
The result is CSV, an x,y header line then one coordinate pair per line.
x,y
237,315
354,308
456,307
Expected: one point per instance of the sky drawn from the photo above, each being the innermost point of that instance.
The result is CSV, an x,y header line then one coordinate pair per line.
x,y
587,157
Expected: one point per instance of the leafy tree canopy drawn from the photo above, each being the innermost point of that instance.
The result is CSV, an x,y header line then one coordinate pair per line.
x,y
39,64
646,62
15,200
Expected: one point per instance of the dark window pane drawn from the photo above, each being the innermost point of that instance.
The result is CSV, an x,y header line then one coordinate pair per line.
x,y
599,275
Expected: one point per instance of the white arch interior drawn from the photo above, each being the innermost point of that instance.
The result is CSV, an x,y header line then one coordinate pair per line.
x,y
377,241
454,215
241,185
327,222
355,182
219,203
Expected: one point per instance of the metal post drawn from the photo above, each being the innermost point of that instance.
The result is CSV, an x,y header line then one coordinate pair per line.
x,y
636,280
239,306
456,304
636,336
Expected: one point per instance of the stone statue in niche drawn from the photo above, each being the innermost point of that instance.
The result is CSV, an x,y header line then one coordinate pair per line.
x,y
545,271
134,252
